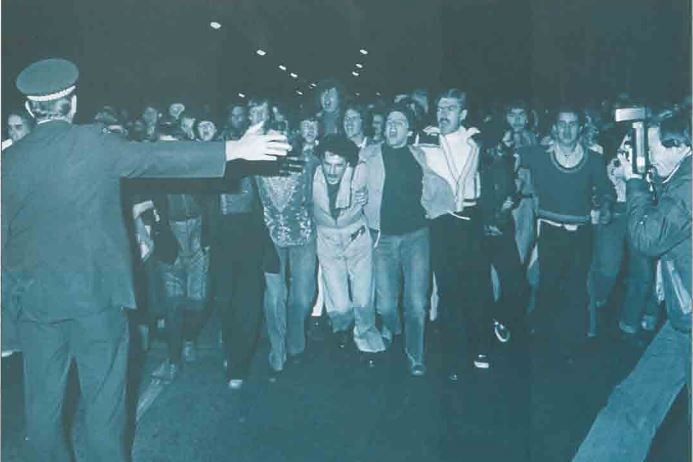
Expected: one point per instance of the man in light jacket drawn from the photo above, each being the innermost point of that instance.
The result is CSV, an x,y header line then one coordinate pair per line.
x,y
345,248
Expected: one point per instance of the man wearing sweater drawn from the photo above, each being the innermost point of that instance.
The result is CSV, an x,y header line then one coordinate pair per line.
x,y
567,179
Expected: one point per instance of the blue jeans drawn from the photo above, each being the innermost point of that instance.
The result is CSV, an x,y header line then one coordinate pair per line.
x,y
623,431
285,316
611,246
404,263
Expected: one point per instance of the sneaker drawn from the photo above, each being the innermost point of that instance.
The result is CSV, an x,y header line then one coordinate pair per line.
x,y
502,332
481,362
167,372
189,351
417,370
235,384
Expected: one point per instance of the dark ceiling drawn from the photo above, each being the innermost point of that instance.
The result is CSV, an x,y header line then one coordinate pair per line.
x,y
133,51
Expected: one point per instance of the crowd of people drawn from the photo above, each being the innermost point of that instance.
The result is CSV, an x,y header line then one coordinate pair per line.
x,y
507,225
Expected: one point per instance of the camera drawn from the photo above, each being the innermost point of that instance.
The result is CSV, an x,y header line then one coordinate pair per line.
x,y
634,144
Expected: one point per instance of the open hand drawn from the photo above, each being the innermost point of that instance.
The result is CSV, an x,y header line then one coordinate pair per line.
x,y
256,146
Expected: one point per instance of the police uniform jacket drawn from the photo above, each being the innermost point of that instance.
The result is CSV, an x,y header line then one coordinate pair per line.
x,y
65,249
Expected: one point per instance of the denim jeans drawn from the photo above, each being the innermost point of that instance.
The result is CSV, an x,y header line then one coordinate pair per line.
x,y
289,296
347,263
185,285
611,247
403,263
623,430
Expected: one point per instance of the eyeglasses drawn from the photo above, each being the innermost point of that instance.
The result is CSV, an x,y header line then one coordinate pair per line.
x,y
451,108
396,123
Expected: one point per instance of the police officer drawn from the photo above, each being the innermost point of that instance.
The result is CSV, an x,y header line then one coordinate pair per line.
x,y
65,255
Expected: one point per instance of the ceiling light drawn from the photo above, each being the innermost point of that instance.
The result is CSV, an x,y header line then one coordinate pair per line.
x,y
377,93
294,75
363,51
313,84
261,52
215,25
299,92
359,65
282,67
354,73
241,95
357,93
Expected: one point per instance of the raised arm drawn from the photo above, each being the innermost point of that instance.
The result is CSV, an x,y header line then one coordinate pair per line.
x,y
192,160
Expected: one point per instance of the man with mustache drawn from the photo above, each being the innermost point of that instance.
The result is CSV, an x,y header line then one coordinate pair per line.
x,y
461,268
344,244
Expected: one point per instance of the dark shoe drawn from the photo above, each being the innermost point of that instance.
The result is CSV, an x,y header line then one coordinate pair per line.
x,y
633,340
370,360
296,360
342,338
273,375
316,329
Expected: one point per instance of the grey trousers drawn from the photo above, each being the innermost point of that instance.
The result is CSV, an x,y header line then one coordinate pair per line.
x,y
99,345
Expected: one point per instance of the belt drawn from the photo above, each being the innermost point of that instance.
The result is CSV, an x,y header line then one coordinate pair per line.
x,y
572,227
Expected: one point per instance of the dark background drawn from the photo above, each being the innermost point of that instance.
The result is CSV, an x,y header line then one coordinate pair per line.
x,y
134,51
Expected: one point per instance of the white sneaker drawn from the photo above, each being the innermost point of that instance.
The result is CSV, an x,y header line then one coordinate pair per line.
x,y
481,362
235,384
502,332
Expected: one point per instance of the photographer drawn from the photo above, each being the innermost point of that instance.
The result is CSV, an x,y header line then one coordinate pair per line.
x,y
624,429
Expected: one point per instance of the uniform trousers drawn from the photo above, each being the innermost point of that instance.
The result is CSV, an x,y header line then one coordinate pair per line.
x,y
99,345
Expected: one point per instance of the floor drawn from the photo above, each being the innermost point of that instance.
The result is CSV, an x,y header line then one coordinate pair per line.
x,y
331,407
